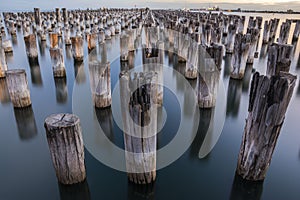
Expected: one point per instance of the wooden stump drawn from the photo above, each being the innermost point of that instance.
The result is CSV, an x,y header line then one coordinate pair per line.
x,y
100,83
92,41
266,35
77,48
58,65
279,58
296,31
139,113
216,52
191,70
284,32
124,46
17,85
31,47
67,37
3,64
208,80
269,99
231,38
152,61
7,46
66,147
253,44
53,37
37,18
4,94
241,52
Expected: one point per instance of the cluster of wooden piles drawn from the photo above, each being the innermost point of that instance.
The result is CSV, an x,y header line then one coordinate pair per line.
x,y
198,39
270,94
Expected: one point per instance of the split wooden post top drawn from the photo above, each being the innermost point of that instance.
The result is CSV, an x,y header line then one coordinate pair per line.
x,y
66,147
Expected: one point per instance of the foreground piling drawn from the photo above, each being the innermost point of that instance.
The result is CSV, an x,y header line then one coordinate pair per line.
x,y
139,111
269,99
66,147
17,85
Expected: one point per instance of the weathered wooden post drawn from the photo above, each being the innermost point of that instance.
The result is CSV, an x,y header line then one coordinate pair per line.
x,y
4,94
284,32
77,48
66,147
67,37
269,99
17,85
153,61
57,57
3,64
124,46
206,34
191,70
92,41
101,37
7,46
267,29
254,35
37,18
65,15
231,38
100,82
273,30
208,79
241,52
296,31
25,123
31,47
216,52
279,58
53,38
139,111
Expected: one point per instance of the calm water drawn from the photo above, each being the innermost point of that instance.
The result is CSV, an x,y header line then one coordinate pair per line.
x,y
26,167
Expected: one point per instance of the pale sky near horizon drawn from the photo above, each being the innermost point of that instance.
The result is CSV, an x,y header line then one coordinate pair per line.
x,y
17,5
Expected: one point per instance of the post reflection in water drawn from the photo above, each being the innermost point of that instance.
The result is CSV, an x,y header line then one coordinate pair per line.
x,y
77,191
25,123
104,117
227,65
140,192
179,67
246,190
234,97
4,95
205,122
79,72
61,90
35,71
247,78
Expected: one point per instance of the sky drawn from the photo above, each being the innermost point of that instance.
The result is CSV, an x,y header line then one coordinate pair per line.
x,y
18,5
